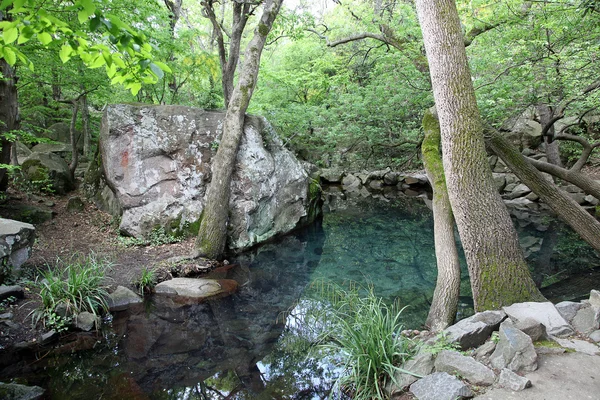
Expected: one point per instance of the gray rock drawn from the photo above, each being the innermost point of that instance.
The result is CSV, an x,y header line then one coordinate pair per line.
x,y
363,177
122,298
587,320
519,191
173,147
595,298
440,386
595,336
473,331
421,364
350,181
512,381
483,352
532,197
580,346
11,291
514,351
391,178
86,321
331,175
16,242
59,148
545,313
22,152
193,288
14,391
591,200
48,167
6,315
568,309
473,371
499,181
578,197
376,185
534,329
61,132
49,336
75,204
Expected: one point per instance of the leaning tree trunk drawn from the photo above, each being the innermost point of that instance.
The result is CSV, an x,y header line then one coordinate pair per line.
x,y
213,225
9,116
447,288
561,203
497,268
577,178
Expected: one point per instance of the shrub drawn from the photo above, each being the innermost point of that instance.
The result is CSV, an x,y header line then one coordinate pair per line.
x,y
146,282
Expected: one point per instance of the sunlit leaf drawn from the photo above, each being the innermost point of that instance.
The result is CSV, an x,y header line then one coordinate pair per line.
x,y
45,38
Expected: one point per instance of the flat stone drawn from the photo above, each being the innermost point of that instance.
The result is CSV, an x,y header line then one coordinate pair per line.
x,y
519,191
331,175
122,298
86,321
193,288
11,291
422,364
475,330
580,346
440,386
587,320
350,181
595,336
595,298
514,350
591,199
6,315
16,242
534,329
14,391
568,309
49,337
483,352
512,381
473,371
545,313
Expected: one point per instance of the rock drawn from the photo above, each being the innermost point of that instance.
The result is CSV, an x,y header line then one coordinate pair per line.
x,y
514,350
440,386
532,197
594,298
375,185
473,371
27,213
422,364
580,346
331,175
512,381
363,177
11,291
75,204
60,132
195,288
587,320
499,181
173,147
16,242
578,197
568,309
391,178
591,200
483,352
22,152
6,315
519,191
86,321
595,336
49,336
122,298
48,169
61,149
532,328
545,313
350,181
14,391
473,331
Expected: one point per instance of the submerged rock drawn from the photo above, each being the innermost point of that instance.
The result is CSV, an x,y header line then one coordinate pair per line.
x,y
197,289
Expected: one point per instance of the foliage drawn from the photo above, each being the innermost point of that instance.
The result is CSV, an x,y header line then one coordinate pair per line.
x,y
365,332
441,343
71,287
157,237
146,281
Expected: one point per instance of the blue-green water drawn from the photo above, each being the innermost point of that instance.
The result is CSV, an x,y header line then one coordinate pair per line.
x,y
249,345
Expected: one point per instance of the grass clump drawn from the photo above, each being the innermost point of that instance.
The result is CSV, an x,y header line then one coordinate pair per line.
x,y
146,281
157,237
365,333
70,288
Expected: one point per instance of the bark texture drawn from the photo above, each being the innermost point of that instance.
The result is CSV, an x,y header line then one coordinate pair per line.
x,y
9,116
577,178
561,203
213,226
445,297
497,268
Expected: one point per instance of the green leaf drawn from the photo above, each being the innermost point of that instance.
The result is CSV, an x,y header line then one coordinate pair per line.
x,y
163,66
45,38
65,53
82,16
98,62
10,35
157,70
119,61
135,88
9,56
144,64
95,23
17,5
107,57
5,4
88,6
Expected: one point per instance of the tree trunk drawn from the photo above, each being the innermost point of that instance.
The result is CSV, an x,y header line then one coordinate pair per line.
x,y
445,297
497,268
579,179
85,123
9,116
552,148
74,149
213,226
561,203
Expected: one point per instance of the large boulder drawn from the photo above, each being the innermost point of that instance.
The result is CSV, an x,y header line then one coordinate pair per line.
x,y
157,162
475,330
16,241
48,171
514,351
545,313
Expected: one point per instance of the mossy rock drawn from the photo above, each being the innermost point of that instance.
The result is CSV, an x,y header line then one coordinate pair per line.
x,y
48,171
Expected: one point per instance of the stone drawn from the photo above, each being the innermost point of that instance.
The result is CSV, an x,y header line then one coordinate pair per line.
x,y
75,203
473,371
578,197
514,350
375,185
60,148
28,213
587,320
532,328
440,386
543,312
331,175
363,177
509,380
499,181
421,364
532,197
157,160
16,242
122,298
48,168
391,178
22,152
15,391
594,298
6,315
49,336
580,346
350,181
483,352
519,191
595,336
568,309
86,321
195,288
60,132
591,200
11,291
473,331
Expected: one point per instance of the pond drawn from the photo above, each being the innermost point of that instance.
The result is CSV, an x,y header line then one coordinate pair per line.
x,y
252,345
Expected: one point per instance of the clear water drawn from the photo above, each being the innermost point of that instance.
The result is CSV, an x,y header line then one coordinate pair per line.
x,y
249,345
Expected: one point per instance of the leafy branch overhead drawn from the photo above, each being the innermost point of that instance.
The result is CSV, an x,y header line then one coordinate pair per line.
x,y
98,39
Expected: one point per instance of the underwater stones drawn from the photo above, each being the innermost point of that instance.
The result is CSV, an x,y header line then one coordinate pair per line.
x,y
514,350
473,331
440,386
197,289
544,312
473,371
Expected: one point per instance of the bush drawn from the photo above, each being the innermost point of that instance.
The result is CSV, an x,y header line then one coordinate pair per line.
x,y
70,288
146,282
365,332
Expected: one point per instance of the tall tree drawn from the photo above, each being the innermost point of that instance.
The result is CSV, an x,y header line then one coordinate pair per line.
x,y
497,268
213,226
